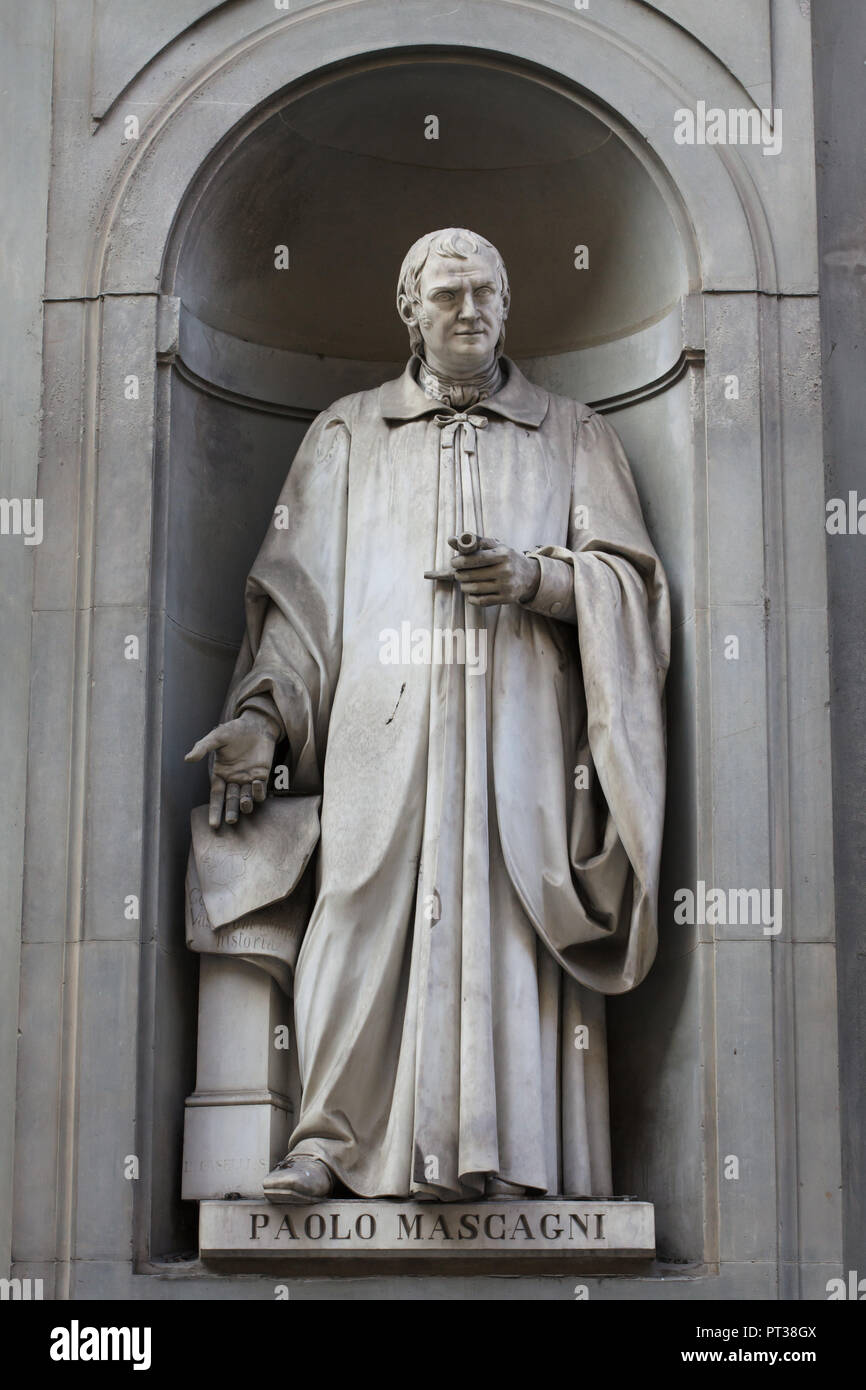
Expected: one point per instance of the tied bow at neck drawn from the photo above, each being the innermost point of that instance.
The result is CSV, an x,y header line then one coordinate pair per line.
x,y
452,422
458,456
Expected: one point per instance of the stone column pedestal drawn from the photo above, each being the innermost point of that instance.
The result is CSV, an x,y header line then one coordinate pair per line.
x,y
237,1120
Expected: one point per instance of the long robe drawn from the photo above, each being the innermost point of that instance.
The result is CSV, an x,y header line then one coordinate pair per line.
x,y
491,826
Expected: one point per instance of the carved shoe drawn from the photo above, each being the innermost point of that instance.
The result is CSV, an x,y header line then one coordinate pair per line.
x,y
499,1187
299,1178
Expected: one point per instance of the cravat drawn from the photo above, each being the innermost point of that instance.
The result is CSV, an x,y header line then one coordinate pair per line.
x,y
460,395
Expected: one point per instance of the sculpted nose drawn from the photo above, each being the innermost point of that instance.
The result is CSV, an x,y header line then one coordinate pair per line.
x,y
467,305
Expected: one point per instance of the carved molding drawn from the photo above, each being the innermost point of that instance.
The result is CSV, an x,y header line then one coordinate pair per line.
x,y
689,357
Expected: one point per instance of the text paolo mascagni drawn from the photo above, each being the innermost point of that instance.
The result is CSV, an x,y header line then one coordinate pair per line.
x,y
497,1225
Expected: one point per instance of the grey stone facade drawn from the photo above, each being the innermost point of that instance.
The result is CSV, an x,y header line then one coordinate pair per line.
x,y
259,126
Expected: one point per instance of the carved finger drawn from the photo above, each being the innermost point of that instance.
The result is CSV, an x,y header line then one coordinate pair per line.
x,y
481,559
247,802
480,586
217,797
259,789
233,796
205,745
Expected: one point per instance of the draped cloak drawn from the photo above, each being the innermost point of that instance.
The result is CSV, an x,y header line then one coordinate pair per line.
x,y
492,783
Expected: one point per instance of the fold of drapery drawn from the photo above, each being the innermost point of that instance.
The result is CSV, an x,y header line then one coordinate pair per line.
x,y
455,1142
598,845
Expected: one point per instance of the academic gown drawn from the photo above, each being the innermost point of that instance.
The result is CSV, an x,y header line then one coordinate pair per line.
x,y
490,826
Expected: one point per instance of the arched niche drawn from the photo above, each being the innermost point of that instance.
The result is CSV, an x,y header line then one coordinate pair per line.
x,y
349,169
341,175
340,172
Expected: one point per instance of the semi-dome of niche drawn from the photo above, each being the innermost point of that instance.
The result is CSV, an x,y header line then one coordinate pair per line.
x,y
347,176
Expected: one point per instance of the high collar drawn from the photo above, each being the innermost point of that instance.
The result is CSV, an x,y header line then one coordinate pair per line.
x,y
459,395
517,399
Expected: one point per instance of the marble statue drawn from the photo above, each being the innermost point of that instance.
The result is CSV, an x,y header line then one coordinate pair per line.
x,y
457,638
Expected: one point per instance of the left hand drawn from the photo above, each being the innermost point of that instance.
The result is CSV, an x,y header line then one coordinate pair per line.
x,y
496,574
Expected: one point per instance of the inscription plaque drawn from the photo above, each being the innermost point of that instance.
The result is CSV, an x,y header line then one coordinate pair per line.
x,y
411,1229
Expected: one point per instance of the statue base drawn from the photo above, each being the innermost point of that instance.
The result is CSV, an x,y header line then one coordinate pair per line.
x,y
558,1230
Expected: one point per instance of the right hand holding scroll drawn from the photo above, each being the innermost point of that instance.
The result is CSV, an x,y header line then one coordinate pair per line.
x,y
243,751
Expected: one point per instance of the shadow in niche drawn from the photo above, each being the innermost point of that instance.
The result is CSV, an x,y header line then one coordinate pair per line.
x,y
343,176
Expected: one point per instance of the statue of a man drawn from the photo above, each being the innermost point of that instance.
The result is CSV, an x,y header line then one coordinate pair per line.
x,y
463,635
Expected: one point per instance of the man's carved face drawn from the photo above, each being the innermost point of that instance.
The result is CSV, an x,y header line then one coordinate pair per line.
x,y
461,312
